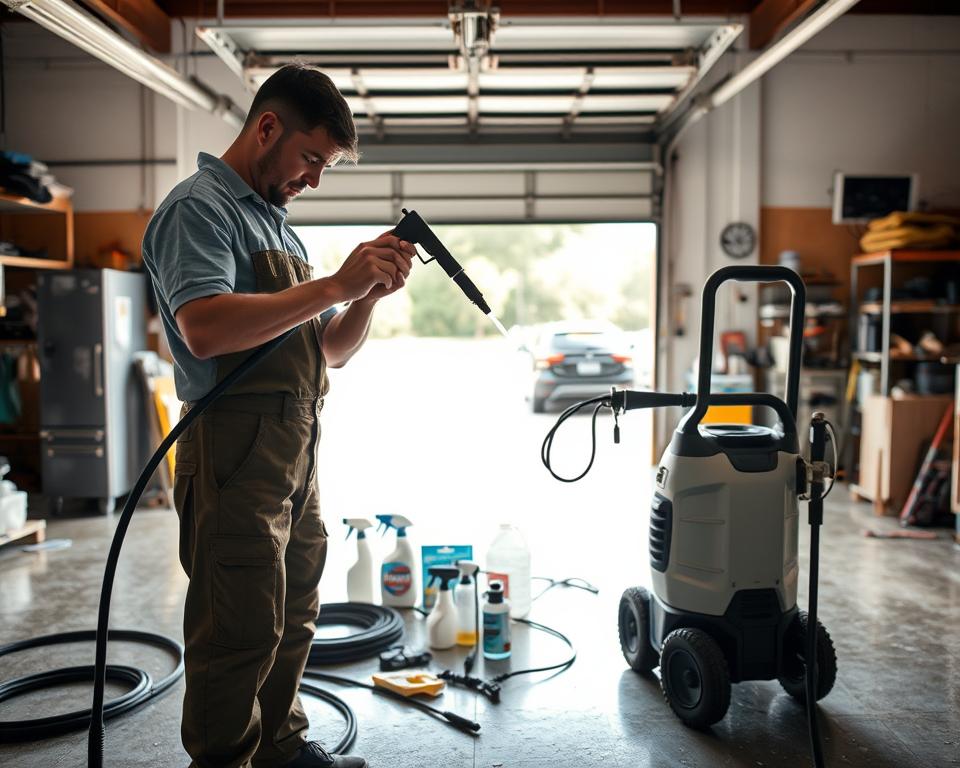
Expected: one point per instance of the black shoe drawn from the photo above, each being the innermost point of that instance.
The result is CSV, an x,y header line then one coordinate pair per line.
x,y
313,755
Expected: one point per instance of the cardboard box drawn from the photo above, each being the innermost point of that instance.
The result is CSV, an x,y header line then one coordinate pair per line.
x,y
893,439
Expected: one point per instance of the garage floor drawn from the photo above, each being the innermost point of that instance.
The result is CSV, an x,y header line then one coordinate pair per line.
x,y
893,608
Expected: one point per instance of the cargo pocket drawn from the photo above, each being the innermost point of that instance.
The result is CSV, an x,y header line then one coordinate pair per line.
x,y
183,500
246,591
236,438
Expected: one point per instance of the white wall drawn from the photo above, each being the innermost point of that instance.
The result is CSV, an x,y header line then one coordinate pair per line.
x,y
63,104
870,94
713,180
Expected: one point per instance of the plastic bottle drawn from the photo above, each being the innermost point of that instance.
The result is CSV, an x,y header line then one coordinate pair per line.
x,y
442,621
509,557
496,623
397,575
360,575
465,599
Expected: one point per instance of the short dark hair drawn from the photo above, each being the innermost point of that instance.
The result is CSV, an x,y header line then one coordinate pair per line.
x,y
307,98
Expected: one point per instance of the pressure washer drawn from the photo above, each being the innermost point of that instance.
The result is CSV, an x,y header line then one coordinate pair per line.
x,y
724,522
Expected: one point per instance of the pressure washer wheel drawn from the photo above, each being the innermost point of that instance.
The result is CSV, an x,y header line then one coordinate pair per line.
x,y
634,626
794,659
695,677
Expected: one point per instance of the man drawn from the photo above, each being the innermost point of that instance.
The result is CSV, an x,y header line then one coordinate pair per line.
x,y
230,275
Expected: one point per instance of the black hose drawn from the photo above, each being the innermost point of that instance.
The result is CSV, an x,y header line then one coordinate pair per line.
x,y
350,732
142,686
817,452
547,446
97,730
380,628
457,721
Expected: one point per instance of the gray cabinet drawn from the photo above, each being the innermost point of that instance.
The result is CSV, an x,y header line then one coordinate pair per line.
x,y
92,412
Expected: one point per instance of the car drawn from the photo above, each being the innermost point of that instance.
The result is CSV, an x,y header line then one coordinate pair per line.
x,y
577,360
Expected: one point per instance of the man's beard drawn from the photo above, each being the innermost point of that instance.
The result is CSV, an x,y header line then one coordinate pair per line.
x,y
264,167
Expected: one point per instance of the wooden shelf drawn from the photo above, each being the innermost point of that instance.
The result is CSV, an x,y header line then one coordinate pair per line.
x,y
920,306
13,207
905,256
876,357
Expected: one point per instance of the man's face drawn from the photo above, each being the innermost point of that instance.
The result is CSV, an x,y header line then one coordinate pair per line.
x,y
290,160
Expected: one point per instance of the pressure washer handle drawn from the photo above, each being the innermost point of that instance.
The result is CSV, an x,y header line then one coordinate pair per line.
x,y
628,399
747,274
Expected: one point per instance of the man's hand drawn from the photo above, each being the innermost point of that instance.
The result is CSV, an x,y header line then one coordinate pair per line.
x,y
375,269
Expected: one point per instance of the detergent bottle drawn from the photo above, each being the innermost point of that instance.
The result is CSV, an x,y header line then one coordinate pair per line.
x,y
442,621
360,575
496,624
508,561
397,575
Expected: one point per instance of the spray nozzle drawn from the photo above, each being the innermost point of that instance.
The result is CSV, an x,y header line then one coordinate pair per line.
x,y
358,524
444,573
414,229
397,522
468,569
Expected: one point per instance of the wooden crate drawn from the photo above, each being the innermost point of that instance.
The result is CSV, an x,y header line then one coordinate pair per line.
x,y
33,532
894,434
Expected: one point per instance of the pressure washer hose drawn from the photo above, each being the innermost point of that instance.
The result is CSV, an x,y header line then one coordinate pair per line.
x,y
97,729
815,512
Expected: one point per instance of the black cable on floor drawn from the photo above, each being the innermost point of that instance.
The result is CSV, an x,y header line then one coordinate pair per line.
x,y
350,732
142,686
457,721
380,628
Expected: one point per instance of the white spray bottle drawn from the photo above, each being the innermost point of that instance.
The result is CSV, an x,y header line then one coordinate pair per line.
x,y
442,621
468,605
360,575
397,574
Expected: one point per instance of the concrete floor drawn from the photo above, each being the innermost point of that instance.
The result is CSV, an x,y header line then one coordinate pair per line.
x,y
893,608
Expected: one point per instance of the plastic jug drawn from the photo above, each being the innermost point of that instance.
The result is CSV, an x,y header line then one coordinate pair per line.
x,y
508,560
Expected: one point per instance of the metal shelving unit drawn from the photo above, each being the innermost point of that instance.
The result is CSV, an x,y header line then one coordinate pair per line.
x,y
887,307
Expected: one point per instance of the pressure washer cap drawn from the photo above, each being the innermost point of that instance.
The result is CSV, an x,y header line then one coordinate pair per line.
x,y
495,592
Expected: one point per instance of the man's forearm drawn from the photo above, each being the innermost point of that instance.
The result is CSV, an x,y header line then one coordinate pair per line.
x,y
346,332
235,322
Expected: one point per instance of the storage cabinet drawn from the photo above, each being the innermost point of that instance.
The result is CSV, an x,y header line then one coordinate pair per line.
x,y
895,434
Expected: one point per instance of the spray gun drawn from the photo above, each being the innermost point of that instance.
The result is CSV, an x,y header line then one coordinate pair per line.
x,y
414,229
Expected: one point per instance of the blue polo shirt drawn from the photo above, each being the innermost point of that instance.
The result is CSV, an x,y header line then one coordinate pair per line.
x,y
198,243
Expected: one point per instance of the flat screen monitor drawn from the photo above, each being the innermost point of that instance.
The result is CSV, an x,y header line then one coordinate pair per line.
x,y
857,198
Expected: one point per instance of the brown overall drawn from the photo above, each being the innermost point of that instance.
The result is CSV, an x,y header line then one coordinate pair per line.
x,y
253,546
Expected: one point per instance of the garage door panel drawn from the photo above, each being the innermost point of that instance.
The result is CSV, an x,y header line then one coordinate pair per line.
x,y
460,184
594,183
596,209
438,210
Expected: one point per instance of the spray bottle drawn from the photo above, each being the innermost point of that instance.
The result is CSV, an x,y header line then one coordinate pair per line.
x,y
442,621
496,623
397,576
466,599
360,575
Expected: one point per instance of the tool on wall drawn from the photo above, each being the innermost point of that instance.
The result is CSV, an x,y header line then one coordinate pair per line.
x,y
723,607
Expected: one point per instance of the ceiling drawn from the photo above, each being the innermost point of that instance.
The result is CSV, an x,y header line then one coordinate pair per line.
x,y
561,76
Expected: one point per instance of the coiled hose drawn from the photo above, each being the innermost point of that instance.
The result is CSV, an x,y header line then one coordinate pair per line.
x,y
143,689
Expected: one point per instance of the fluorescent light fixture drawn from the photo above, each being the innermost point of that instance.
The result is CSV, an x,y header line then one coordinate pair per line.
x,y
770,57
68,21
